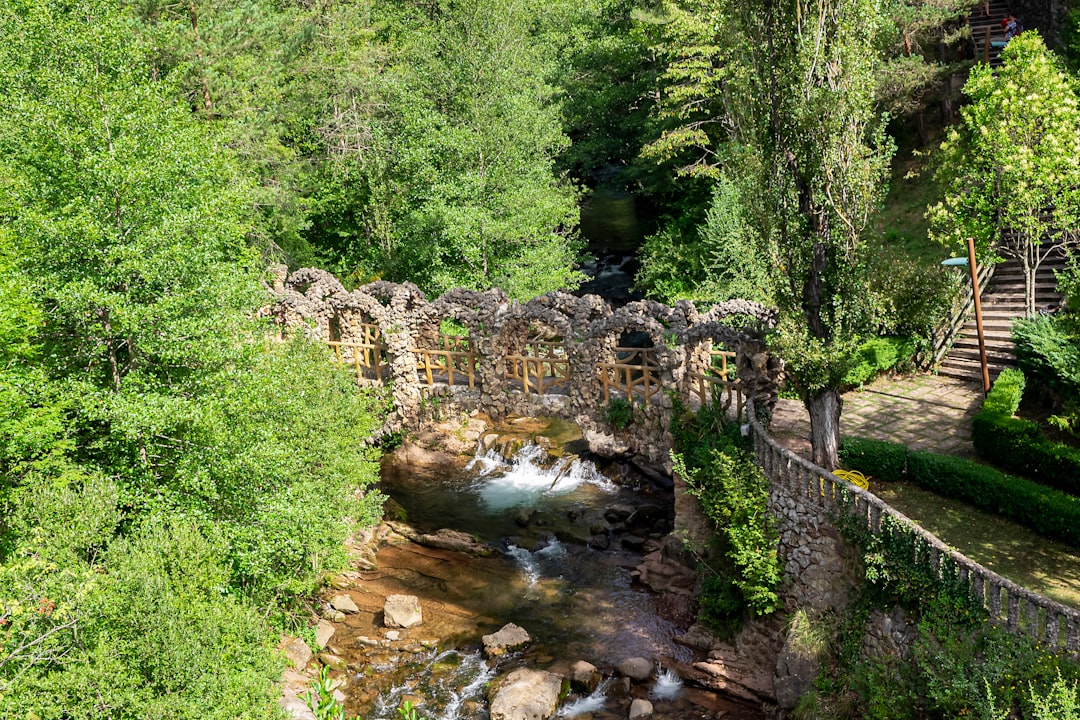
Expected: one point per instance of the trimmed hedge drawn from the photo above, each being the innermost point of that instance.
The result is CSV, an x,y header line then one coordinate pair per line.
x,y
879,459
1004,397
1049,512
1018,445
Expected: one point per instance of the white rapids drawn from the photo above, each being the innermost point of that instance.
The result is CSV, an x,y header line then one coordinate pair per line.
x,y
504,484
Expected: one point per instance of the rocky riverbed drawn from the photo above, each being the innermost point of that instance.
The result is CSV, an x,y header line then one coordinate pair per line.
x,y
594,581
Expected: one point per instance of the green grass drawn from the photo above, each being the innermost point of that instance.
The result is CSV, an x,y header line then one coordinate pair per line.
x,y
901,223
1045,566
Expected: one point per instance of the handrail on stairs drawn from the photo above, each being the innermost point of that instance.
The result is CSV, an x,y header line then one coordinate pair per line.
x,y
944,337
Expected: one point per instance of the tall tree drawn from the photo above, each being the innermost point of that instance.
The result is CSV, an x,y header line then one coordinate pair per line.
x,y
157,476
814,158
1010,167
455,183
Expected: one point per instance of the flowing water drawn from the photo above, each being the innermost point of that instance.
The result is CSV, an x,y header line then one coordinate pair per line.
x,y
544,512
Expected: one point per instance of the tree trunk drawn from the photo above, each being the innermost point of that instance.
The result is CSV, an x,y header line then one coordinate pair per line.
x,y
824,409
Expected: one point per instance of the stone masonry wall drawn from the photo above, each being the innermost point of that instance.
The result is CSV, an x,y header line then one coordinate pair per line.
x,y
678,337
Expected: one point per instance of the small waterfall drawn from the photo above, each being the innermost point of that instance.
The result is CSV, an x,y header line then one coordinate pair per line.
x,y
446,682
530,568
543,563
591,703
529,475
667,686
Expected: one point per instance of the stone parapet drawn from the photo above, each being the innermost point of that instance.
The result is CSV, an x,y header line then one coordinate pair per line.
x,y
558,354
806,499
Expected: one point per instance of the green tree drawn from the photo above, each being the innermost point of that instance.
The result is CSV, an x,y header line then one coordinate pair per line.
x,y
454,184
814,159
1010,168
163,488
251,69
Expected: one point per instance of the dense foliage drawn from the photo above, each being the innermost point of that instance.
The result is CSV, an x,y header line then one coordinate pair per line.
x,y
1018,445
741,574
1009,171
960,665
170,477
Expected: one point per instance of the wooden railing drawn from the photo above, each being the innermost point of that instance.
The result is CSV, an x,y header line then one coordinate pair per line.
x,y
369,358
635,374
542,368
440,366
718,384
539,375
1021,611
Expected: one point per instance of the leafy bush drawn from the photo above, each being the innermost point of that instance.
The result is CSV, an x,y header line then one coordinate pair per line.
x,y
876,458
877,355
909,296
1048,352
1019,445
733,491
1004,397
152,632
619,413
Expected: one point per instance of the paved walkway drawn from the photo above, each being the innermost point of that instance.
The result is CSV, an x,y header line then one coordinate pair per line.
x,y
924,412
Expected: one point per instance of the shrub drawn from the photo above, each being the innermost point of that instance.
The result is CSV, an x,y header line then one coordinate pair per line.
x,y
1004,397
876,458
1044,510
158,636
619,413
733,492
876,356
909,297
1018,445
1048,352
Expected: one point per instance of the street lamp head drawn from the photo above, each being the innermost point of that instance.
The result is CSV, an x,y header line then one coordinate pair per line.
x,y
955,262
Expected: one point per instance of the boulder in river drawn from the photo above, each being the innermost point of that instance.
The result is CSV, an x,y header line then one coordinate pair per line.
x,y
509,637
637,669
402,611
584,676
525,694
297,651
640,708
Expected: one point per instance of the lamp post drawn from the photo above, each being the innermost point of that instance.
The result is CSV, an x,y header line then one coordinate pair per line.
x,y
970,262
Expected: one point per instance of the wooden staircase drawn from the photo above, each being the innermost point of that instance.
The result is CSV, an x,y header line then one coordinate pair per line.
x,y
1002,302
980,24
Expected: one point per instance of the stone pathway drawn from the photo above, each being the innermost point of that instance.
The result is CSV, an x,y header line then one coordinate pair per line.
x,y
924,412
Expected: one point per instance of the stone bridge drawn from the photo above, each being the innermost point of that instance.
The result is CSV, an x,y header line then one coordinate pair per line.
x,y
573,357
557,355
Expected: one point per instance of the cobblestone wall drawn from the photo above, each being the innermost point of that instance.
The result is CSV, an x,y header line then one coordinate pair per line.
x,y
679,339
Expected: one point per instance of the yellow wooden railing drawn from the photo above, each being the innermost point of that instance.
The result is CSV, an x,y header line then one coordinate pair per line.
x,y
542,367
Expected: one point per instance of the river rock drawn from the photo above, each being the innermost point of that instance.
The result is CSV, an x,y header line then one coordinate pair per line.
x,y
584,676
637,669
402,611
508,638
525,694
445,539
412,455
664,574
332,661
296,709
323,632
344,603
640,708
599,542
297,651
